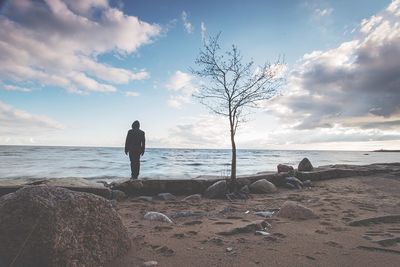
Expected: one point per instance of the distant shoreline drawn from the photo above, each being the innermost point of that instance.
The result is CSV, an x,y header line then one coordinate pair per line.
x,y
385,150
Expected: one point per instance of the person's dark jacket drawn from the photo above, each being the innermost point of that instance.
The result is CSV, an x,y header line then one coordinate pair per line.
x,y
135,141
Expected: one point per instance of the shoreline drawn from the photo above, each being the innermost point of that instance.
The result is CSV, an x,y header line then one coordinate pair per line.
x,y
198,184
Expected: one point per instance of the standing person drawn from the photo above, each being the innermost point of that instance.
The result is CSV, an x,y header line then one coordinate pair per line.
x,y
135,146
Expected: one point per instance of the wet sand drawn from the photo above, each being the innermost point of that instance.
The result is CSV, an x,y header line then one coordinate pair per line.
x,y
326,241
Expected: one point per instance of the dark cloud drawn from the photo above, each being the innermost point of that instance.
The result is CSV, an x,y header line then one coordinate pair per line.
x,y
355,80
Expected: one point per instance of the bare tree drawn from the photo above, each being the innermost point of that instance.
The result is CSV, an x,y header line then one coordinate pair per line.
x,y
231,88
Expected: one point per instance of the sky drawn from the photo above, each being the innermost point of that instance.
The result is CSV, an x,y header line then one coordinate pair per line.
x,y
78,73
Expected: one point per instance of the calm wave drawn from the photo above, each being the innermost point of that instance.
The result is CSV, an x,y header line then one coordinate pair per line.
x,y
111,163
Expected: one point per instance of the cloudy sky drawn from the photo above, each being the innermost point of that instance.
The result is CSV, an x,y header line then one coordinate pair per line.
x,y
79,72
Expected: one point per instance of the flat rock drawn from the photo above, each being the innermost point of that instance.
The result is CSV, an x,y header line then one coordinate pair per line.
x,y
145,198
65,228
217,190
166,196
262,186
192,198
296,211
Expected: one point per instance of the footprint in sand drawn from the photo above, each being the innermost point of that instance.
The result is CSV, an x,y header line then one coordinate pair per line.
x,y
179,235
333,244
223,223
321,232
191,232
192,223
164,250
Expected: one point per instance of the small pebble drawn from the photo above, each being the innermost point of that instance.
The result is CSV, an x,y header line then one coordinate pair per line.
x,y
229,249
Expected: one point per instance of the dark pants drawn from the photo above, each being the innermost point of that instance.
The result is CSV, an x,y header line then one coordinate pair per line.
x,y
135,164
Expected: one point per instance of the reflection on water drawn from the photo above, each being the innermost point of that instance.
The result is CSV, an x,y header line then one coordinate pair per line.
x,y
100,163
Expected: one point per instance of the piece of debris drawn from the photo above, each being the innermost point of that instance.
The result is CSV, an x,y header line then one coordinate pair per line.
x,y
247,228
157,216
263,233
229,249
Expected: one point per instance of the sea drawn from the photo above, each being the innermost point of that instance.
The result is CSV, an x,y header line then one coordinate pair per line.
x,y
110,163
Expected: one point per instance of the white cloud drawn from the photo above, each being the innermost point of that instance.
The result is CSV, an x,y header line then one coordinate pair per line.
x,y
17,122
319,13
186,23
203,31
132,93
350,92
15,88
202,131
57,43
182,86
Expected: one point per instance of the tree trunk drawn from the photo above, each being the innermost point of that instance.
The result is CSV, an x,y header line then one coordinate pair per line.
x,y
233,186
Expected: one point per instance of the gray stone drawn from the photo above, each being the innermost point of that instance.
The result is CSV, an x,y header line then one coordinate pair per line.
x,y
217,190
145,198
118,195
305,165
262,186
166,196
150,263
296,211
192,198
284,168
59,227
245,189
293,182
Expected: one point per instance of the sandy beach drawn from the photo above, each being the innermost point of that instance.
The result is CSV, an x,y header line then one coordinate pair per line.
x,y
326,241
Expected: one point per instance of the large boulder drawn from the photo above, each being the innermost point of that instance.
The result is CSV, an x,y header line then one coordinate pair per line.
x,y
296,211
305,165
262,187
53,226
284,168
217,190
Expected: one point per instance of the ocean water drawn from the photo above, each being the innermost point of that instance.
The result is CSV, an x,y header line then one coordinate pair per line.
x,y
107,163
